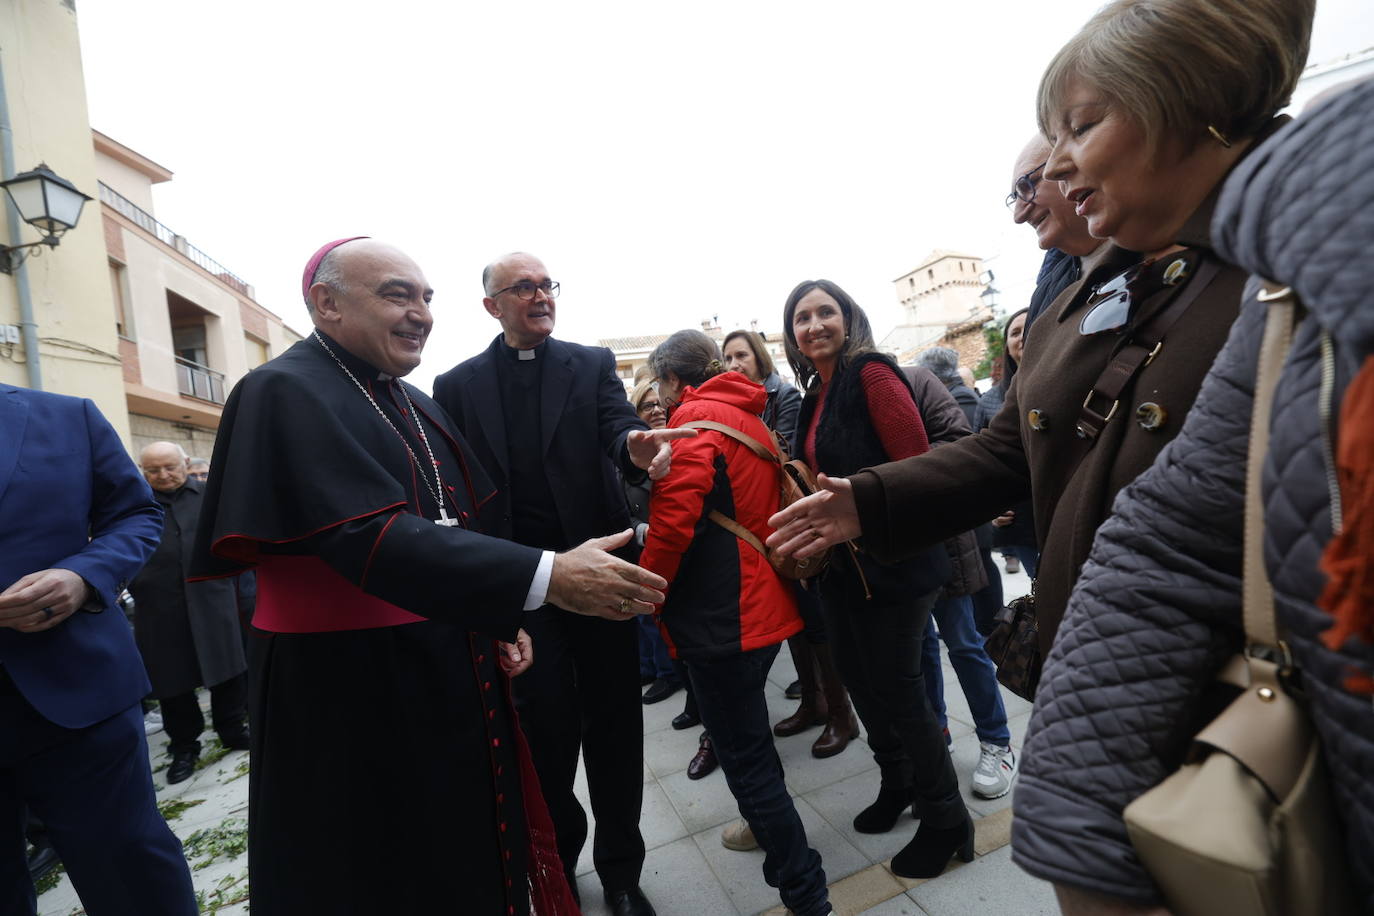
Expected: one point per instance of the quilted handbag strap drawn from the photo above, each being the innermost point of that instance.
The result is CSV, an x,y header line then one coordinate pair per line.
x,y
1264,728
1261,629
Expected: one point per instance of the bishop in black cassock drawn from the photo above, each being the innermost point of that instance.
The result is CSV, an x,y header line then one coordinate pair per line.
x,y
386,765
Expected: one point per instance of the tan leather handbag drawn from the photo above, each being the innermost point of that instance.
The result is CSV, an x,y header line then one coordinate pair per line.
x,y
1247,826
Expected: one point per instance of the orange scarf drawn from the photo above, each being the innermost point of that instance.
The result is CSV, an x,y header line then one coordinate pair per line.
x,y
1349,558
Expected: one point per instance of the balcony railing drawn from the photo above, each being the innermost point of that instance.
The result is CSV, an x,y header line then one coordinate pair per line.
x,y
199,381
144,220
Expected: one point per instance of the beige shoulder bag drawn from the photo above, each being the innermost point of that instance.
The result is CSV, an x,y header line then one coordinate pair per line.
x,y
1247,826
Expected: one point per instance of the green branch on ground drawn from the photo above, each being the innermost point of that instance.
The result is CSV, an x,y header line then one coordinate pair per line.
x,y
49,881
226,840
229,890
172,808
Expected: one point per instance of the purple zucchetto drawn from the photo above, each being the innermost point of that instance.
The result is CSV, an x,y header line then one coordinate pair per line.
x,y
312,265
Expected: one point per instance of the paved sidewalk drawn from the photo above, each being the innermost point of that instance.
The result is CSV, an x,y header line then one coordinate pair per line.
x,y
687,871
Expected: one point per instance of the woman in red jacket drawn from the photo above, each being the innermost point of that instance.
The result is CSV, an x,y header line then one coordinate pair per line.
x,y
859,411
726,610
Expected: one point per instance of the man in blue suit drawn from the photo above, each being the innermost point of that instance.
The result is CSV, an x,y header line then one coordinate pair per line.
x,y
77,521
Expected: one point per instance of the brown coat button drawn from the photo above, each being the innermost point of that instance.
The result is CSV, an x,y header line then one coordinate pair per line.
x,y
1038,419
1151,416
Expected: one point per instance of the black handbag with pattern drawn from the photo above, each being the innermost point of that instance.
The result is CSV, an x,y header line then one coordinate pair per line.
x,y
1014,647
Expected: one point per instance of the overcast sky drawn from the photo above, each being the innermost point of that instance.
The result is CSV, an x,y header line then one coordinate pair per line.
x,y
669,162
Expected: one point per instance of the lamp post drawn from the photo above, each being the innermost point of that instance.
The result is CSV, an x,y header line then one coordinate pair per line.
x,y
46,201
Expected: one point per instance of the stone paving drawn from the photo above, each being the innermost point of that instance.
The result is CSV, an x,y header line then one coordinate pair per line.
x,y
687,872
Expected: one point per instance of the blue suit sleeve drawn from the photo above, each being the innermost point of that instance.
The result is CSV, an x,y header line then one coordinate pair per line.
x,y
125,520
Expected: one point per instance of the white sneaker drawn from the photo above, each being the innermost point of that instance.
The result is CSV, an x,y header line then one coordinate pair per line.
x,y
738,836
152,723
995,771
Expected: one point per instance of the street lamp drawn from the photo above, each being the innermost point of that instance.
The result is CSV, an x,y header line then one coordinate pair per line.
x,y
989,296
46,201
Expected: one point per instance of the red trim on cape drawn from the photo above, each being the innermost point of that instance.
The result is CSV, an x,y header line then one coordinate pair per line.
x,y
303,594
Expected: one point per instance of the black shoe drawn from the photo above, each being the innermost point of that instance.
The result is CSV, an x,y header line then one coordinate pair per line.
x,y
629,903
793,691
685,719
42,860
646,679
236,742
182,766
660,690
881,816
704,762
931,849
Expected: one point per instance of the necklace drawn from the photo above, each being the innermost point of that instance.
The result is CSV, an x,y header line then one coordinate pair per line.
x,y
437,489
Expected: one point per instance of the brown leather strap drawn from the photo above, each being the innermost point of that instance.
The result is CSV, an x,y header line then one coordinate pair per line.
x,y
754,445
738,530
1140,349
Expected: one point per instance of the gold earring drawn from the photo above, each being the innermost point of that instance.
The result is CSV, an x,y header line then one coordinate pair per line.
x,y
1220,137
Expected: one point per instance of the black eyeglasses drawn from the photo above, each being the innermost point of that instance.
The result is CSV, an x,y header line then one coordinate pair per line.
x,y
1024,187
526,289
1110,304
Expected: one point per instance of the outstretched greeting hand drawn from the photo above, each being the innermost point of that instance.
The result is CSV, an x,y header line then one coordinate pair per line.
x,y
588,580
652,450
823,519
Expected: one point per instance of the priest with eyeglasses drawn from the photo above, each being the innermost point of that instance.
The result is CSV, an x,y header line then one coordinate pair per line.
x,y
388,772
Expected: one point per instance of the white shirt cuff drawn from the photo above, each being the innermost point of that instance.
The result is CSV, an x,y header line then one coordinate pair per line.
x,y
539,585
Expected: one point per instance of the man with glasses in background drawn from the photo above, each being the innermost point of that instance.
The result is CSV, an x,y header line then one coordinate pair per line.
x,y
549,422
1062,233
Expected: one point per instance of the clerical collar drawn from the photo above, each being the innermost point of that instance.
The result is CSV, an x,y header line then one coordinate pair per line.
x,y
524,355
356,364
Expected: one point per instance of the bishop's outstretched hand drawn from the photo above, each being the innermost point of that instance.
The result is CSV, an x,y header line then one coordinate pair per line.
x,y
589,580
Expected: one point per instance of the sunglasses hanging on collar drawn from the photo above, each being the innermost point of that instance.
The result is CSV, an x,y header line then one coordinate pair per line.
x,y
1113,302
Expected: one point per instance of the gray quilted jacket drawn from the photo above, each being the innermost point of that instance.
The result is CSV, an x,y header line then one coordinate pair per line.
x,y
1157,610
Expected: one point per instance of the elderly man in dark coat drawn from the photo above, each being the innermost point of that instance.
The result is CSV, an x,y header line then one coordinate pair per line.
x,y
189,633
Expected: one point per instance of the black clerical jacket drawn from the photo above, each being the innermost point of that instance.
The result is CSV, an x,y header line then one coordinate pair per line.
x,y
584,417
306,468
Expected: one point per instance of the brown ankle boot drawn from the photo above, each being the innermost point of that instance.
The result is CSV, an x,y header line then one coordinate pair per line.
x,y
813,710
842,726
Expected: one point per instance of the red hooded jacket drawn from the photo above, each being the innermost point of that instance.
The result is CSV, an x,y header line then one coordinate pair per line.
x,y
723,596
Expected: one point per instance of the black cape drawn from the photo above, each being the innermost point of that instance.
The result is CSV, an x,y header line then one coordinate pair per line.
x,y
384,775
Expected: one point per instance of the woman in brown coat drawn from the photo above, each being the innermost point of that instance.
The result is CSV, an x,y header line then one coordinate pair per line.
x,y
1114,364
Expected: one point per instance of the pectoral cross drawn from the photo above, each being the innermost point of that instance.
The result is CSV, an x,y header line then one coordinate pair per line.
x,y
444,520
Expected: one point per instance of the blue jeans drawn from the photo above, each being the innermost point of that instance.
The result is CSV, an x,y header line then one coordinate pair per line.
x,y
654,660
729,692
976,672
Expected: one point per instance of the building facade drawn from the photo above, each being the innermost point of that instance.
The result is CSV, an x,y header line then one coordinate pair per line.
x,y
632,353
944,292
57,305
188,328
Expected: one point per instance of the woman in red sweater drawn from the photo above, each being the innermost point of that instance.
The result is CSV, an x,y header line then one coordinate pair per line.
x,y
858,411
726,610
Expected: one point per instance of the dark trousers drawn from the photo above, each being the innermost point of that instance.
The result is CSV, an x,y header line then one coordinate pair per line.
x,y
183,721
93,789
988,601
582,693
729,691
876,645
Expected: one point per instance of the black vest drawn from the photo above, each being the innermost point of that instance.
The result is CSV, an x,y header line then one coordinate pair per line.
x,y
846,443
